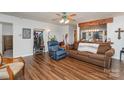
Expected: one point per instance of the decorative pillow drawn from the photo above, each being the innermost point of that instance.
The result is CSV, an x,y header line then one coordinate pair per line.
x,y
90,47
103,48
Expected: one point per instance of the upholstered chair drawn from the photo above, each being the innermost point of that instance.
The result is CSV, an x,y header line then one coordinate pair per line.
x,y
10,70
55,51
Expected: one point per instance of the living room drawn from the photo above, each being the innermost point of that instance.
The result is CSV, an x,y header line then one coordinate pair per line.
x,y
63,46
54,27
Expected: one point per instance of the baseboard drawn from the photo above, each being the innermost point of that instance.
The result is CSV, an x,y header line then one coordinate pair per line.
x,y
25,55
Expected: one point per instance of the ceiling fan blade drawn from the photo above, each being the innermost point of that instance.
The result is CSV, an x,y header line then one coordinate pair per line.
x,y
55,19
58,14
72,15
64,13
72,20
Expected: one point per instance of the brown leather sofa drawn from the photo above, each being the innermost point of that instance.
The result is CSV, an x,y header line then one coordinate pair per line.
x,y
103,57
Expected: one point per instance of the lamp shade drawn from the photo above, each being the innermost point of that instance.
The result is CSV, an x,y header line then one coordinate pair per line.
x,y
61,21
67,21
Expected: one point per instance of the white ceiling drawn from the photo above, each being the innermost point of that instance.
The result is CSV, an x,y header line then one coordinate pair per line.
x,y
48,16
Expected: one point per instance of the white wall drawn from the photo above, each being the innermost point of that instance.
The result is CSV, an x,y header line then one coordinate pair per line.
x,y
24,47
7,29
68,29
118,22
0,37
60,32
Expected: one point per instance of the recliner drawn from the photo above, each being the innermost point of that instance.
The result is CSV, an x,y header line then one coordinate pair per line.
x,y
55,51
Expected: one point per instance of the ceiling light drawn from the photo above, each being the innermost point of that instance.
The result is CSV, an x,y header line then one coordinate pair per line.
x,y
67,21
61,21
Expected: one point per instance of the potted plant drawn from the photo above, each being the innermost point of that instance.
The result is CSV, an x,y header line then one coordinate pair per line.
x,y
52,38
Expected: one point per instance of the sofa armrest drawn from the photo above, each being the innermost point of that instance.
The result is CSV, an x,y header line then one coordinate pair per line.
x,y
110,53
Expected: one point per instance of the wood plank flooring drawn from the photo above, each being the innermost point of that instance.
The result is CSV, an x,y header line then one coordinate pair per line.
x,y
42,67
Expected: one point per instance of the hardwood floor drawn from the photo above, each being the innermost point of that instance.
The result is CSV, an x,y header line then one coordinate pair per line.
x,y
41,67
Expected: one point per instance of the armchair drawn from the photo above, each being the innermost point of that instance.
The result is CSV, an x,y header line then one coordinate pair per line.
x,y
55,51
10,71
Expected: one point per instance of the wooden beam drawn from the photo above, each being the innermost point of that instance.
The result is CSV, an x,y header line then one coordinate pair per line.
x,y
96,22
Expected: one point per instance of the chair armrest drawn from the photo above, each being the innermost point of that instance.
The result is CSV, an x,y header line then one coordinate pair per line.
x,y
110,53
1,59
9,71
11,75
61,49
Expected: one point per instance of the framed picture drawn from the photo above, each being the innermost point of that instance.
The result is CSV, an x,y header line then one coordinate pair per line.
x,y
26,33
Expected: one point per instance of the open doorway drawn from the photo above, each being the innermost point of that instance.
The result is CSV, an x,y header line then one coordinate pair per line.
x,y
7,39
38,41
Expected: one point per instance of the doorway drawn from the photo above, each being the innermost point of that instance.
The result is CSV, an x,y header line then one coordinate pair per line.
x,y
8,45
38,47
7,40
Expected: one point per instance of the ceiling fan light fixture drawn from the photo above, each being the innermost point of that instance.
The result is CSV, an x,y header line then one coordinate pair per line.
x,y
67,21
61,21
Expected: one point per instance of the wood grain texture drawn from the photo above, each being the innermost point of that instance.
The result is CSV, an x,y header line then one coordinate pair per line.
x,y
41,67
96,22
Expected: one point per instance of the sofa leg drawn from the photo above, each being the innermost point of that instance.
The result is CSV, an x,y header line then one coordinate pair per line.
x,y
110,62
107,65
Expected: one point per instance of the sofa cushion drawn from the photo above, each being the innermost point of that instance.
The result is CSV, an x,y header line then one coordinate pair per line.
x,y
97,56
103,48
88,47
84,53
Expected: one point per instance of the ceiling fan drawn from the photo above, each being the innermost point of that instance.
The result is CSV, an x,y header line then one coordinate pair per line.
x,y
64,18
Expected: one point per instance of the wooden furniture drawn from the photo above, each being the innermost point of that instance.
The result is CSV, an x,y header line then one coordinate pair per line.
x,y
10,70
121,52
94,30
96,22
1,59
